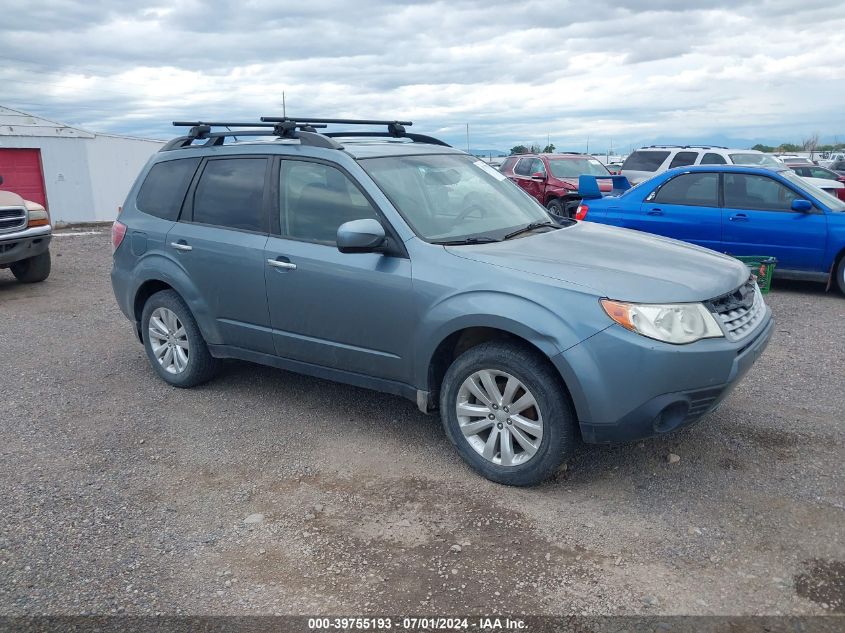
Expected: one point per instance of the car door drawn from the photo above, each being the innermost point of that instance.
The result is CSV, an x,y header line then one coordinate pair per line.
x,y
685,207
757,219
347,311
522,176
219,241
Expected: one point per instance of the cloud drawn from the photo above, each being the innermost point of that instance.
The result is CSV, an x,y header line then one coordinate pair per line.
x,y
516,72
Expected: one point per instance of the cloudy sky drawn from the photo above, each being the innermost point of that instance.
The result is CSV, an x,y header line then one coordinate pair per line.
x,y
516,72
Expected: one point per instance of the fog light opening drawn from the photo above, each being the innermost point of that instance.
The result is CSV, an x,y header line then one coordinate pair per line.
x,y
671,417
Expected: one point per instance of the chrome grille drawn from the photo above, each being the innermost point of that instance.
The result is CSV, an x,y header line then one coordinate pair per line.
x,y
12,219
740,311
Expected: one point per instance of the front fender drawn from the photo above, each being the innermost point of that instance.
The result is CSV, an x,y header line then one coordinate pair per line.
x,y
548,331
159,267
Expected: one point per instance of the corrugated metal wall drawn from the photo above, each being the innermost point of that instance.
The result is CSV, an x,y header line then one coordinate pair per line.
x,y
87,178
114,163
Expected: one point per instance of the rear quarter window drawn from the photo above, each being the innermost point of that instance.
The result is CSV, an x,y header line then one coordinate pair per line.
x,y
645,160
163,190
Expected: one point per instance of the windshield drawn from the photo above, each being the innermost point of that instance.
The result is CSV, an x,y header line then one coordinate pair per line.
x,y
574,167
830,201
448,197
755,159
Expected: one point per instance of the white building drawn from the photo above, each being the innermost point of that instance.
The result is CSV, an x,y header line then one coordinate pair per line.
x,y
79,176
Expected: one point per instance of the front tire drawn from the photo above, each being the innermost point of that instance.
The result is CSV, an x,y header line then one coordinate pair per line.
x,y
32,270
504,408
840,275
174,343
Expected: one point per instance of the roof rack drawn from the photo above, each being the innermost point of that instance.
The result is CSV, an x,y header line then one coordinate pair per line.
x,y
304,129
685,146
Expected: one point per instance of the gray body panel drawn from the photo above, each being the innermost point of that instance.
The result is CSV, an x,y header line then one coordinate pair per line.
x,y
376,320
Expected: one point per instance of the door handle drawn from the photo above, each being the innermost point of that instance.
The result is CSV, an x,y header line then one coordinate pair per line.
x,y
278,263
656,212
181,246
739,217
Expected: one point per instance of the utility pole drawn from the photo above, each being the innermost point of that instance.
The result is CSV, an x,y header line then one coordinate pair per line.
x,y
284,107
588,144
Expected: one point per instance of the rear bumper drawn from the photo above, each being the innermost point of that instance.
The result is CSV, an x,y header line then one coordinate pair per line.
x,y
627,387
23,245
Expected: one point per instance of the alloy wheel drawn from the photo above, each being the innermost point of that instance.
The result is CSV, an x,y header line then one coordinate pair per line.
x,y
499,417
169,340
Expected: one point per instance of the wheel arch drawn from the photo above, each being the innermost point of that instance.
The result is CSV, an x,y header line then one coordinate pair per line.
x,y
159,273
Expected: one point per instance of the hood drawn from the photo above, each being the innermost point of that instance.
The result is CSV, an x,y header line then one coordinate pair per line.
x,y
9,199
616,263
823,183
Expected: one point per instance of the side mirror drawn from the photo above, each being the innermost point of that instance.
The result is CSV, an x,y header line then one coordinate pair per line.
x,y
802,206
538,175
1,180
360,236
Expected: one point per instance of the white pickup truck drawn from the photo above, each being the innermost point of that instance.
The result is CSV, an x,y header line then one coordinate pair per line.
x,y
25,233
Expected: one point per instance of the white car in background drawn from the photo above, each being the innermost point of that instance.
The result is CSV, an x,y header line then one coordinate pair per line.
x,y
654,159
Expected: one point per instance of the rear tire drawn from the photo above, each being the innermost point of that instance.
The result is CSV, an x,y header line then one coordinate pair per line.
x,y
555,207
840,275
523,446
32,270
173,341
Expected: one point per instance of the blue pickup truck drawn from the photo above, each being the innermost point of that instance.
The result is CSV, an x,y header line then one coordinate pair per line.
x,y
734,210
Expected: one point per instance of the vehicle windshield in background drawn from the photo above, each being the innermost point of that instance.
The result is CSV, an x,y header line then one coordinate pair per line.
x,y
830,201
574,167
452,197
645,161
755,159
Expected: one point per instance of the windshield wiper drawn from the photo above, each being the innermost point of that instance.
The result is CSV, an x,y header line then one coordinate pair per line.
x,y
529,227
481,239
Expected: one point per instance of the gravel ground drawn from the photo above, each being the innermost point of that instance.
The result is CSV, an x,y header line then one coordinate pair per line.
x,y
266,492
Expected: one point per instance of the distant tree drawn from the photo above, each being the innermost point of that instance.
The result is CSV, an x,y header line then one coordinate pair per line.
x,y
520,149
534,149
810,144
764,148
549,149
788,147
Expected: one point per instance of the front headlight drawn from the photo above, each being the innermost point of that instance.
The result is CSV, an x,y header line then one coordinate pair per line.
x,y
673,322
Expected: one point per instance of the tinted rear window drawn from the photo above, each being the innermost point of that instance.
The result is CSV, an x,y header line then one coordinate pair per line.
x,y
230,194
682,159
645,161
164,188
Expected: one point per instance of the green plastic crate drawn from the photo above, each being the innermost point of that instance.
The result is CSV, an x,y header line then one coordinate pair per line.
x,y
762,267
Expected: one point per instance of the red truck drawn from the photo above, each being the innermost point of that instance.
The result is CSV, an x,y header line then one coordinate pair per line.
x,y
553,178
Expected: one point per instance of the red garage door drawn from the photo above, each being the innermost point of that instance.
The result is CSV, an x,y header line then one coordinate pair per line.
x,y
21,171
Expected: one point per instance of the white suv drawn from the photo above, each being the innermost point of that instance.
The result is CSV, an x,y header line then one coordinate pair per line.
x,y
648,161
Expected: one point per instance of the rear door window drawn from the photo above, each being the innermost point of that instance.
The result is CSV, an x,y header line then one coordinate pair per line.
x,y
700,190
682,159
165,186
713,159
523,167
230,194
645,160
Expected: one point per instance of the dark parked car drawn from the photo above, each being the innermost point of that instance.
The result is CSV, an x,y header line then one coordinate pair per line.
x,y
403,265
552,179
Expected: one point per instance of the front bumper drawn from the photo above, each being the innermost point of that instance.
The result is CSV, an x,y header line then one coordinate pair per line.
x,y
15,247
627,387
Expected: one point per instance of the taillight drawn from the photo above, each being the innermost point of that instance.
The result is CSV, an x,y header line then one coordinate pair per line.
x,y
118,232
581,212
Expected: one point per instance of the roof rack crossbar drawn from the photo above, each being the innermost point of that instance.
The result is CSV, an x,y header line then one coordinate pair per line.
x,y
278,119
417,138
